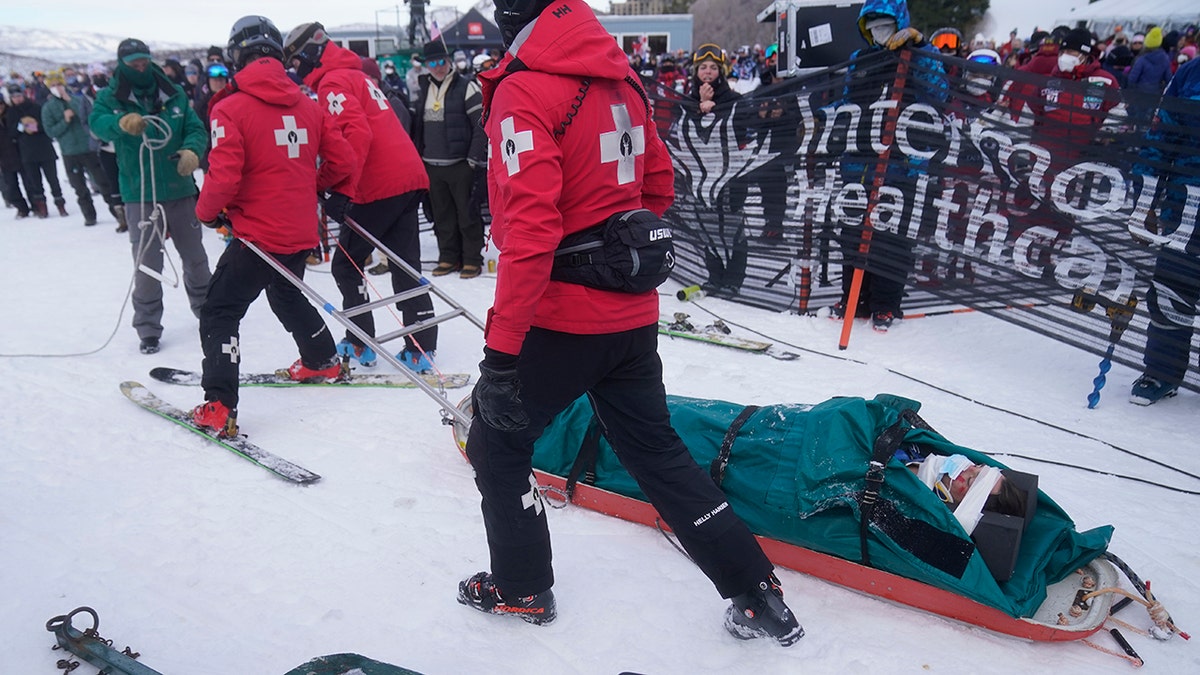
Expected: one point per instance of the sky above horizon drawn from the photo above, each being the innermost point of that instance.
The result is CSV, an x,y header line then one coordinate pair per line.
x,y
207,22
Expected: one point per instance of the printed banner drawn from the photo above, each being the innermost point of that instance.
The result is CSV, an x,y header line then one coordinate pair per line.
x,y
1062,203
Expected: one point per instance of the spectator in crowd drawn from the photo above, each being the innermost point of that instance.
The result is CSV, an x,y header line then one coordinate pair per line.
x,y
1149,76
398,102
160,177
483,62
1172,153
1118,60
267,189
10,161
549,342
393,81
192,72
65,119
416,68
383,200
215,55
447,132
175,72
669,74
885,26
38,157
1046,57
38,92
1186,54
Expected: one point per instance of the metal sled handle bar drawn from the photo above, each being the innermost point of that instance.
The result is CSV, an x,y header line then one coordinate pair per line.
x,y
360,333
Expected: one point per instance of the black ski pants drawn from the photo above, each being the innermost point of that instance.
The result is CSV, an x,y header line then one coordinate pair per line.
x,y
240,276
393,221
459,234
32,171
76,166
622,375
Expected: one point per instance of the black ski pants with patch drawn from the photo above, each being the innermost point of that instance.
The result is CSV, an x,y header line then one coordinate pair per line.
x,y
393,221
622,375
240,276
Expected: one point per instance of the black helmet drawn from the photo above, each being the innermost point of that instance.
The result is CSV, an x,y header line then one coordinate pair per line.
x,y
304,46
251,37
513,15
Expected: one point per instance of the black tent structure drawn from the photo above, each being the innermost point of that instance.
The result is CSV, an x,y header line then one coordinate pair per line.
x,y
472,31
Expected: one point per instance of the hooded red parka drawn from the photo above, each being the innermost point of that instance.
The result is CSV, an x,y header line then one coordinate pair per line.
x,y
389,160
561,161
266,136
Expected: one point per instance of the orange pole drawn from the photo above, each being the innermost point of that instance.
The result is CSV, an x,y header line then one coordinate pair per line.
x,y
887,137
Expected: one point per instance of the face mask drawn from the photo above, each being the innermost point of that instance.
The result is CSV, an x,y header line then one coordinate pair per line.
x,y
978,86
1068,62
881,34
1182,58
954,465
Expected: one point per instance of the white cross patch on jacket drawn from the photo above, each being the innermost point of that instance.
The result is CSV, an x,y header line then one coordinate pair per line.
x,y
623,145
217,133
291,136
512,144
377,94
335,102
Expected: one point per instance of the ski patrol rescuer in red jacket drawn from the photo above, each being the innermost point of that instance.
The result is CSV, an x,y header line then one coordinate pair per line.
x,y
263,180
571,145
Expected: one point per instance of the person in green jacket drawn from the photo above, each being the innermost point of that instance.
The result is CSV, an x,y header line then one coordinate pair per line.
x,y
64,117
159,140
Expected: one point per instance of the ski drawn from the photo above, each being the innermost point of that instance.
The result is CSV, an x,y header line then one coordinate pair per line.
x,y
718,333
280,378
142,396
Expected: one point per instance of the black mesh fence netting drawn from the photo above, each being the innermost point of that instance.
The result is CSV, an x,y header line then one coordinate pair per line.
x,y
1063,204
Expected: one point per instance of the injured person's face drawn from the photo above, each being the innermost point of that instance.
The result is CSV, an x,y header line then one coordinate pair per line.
x,y
962,484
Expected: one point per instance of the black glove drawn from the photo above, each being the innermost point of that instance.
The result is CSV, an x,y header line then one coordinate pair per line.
x,y
497,395
336,206
222,220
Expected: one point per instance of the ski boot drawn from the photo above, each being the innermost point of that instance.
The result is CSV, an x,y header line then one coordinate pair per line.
x,y
332,371
479,592
882,321
118,211
417,361
1150,390
214,416
39,208
361,353
761,612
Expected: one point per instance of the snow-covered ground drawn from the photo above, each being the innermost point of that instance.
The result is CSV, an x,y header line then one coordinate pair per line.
x,y
208,565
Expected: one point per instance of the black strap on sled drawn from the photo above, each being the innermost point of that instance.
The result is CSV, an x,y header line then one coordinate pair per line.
x,y
585,461
932,546
717,468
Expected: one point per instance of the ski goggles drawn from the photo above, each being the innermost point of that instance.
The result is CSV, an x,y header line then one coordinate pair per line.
x,y
985,58
434,63
709,51
218,70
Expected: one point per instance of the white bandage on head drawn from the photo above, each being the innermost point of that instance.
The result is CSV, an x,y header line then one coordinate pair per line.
x,y
970,509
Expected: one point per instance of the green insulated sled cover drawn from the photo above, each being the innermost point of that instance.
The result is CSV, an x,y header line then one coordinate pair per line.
x,y
795,473
348,664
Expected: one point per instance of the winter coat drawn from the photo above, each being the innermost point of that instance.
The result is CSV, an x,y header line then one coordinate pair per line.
x,y
1173,150
1043,62
172,106
1068,116
266,138
10,156
73,137
1151,72
464,134
543,185
35,147
388,159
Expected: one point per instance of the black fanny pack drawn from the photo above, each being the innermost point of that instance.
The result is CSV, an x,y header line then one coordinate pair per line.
x,y
631,252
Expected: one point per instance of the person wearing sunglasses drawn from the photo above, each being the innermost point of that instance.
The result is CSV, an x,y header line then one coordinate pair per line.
x,y
446,129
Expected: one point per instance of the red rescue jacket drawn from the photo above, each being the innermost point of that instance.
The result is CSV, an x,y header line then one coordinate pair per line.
x,y
542,185
388,159
266,136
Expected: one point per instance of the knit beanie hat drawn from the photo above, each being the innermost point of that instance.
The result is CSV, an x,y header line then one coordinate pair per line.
x,y
1154,38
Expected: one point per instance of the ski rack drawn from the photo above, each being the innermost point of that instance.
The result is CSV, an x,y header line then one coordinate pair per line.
x,y
450,412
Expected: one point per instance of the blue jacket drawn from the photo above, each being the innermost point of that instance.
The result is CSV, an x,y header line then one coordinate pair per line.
x,y
1172,149
1151,72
